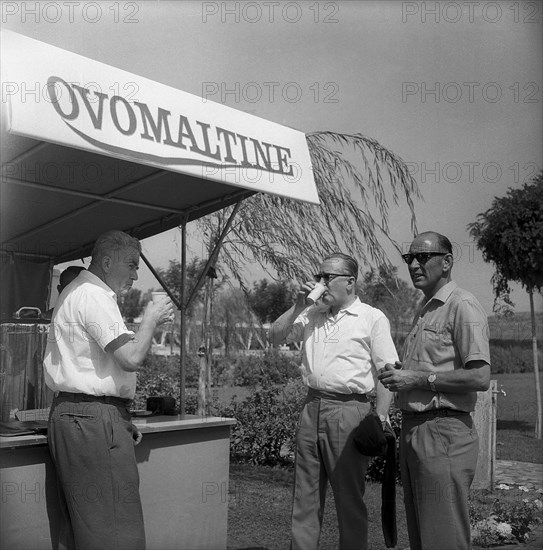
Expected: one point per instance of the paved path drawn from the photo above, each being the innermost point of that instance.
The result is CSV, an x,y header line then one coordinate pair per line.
x,y
519,473
528,475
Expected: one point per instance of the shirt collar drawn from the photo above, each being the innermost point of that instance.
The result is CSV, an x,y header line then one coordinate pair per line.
x,y
92,278
444,292
353,309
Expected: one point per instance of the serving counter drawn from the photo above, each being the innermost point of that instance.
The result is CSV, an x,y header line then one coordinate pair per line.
x,y
183,464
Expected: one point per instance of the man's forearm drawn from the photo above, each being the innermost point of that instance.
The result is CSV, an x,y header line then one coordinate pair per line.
x,y
281,326
131,355
474,377
383,400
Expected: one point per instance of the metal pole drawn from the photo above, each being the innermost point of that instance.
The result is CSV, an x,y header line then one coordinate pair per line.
x,y
183,328
213,256
161,281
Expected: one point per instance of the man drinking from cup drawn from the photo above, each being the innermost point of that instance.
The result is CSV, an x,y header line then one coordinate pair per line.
x,y
345,343
90,363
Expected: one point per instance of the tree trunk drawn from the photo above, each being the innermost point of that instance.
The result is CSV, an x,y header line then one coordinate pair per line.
x,y
209,345
204,355
536,368
227,334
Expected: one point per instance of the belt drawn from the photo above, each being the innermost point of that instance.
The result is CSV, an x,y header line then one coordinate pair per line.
x,y
334,396
107,399
432,413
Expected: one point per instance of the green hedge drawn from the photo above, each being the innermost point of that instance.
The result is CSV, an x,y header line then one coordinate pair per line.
x,y
270,367
265,432
266,424
507,357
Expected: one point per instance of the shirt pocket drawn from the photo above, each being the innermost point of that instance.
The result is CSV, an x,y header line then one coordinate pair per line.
x,y
437,344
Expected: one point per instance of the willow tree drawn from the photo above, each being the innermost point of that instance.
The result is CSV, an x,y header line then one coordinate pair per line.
x,y
357,180
510,235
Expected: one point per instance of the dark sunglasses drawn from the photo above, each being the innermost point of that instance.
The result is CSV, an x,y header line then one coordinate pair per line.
x,y
421,257
328,276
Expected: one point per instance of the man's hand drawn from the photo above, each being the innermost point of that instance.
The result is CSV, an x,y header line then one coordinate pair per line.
x,y
160,312
305,289
281,327
137,436
395,379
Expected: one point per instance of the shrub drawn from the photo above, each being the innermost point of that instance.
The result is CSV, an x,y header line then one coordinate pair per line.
x,y
503,519
267,421
376,467
158,376
266,424
273,366
512,358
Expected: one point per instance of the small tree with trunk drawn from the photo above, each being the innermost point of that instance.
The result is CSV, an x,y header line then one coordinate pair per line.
x,y
510,235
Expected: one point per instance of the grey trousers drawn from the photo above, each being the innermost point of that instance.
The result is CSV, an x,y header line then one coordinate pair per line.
x,y
325,452
438,457
91,444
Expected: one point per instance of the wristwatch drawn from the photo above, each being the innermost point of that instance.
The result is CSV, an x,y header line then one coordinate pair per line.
x,y
432,381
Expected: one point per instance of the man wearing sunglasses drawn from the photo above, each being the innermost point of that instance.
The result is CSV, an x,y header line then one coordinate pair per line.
x,y
345,343
446,361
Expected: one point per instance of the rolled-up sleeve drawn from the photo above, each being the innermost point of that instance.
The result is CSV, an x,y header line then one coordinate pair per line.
x,y
471,332
102,319
295,332
383,350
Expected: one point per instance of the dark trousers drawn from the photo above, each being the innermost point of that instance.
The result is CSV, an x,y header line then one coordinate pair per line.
x,y
91,443
438,457
325,451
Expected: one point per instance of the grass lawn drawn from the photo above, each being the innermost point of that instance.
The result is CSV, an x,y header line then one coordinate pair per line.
x,y
517,411
260,497
259,511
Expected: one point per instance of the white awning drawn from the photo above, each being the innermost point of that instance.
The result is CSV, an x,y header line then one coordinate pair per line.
x,y
87,147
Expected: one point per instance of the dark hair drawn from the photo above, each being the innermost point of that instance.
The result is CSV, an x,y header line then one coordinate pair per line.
x,y
69,274
349,263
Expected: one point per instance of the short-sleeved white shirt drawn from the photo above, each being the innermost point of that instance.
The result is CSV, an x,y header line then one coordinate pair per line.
x,y
85,320
343,353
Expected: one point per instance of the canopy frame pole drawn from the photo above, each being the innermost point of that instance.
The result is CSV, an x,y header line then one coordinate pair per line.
x,y
183,327
213,256
161,281
93,196
88,206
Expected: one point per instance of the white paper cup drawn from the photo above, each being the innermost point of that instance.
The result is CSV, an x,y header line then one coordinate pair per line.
x,y
158,296
316,293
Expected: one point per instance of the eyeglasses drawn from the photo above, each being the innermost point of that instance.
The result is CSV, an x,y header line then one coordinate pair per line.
x,y
421,257
328,276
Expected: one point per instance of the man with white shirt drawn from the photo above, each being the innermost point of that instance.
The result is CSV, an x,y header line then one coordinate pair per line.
x,y
345,343
91,362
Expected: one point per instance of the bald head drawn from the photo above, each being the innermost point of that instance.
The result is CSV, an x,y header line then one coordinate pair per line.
x,y
430,262
437,240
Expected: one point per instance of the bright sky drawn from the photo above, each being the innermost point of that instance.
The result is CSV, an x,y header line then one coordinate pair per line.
x,y
453,88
